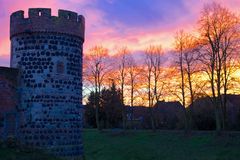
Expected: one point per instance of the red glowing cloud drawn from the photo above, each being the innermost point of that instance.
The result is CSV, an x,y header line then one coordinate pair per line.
x,y
114,23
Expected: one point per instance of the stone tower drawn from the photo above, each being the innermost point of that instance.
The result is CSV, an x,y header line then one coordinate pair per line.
x,y
48,52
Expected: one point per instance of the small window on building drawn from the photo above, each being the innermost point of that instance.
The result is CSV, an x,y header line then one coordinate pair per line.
x,y
60,67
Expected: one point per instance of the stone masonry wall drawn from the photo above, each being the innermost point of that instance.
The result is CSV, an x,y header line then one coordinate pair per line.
x,y
41,20
49,56
8,98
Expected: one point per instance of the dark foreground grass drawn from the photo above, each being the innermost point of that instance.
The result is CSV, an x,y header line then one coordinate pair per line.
x,y
16,154
162,145
146,145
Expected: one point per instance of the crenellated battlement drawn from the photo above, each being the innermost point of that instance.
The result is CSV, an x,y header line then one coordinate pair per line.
x,y
41,20
48,50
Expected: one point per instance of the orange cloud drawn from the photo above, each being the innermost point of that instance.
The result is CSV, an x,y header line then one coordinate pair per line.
x,y
112,33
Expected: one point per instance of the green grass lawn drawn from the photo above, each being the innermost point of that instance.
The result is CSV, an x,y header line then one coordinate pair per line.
x,y
15,154
146,145
162,145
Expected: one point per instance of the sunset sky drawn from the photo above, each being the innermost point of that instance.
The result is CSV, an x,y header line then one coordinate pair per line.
x,y
114,23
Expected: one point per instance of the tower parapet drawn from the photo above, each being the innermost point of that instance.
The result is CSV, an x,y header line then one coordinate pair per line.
x,y
41,20
48,52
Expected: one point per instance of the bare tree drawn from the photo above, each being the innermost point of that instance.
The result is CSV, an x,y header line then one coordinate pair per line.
x,y
153,70
229,49
217,27
122,68
189,57
133,73
190,61
95,73
157,71
180,46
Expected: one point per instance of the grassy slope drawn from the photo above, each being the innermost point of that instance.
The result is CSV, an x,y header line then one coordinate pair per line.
x,y
146,145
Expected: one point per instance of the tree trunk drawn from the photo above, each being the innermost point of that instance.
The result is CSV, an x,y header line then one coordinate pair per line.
x,y
219,97
131,105
97,117
224,109
152,119
216,106
97,108
218,121
123,117
191,123
183,94
123,107
150,106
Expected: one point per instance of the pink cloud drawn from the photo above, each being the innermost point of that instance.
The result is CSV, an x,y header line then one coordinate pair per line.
x,y
139,38
109,32
93,16
4,60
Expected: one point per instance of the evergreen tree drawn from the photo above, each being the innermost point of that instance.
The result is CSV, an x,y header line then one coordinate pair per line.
x,y
109,111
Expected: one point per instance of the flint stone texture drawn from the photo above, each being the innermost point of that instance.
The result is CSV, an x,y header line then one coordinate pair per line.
x,y
47,51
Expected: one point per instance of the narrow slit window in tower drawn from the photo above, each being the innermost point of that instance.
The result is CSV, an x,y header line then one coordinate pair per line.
x,y
60,67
